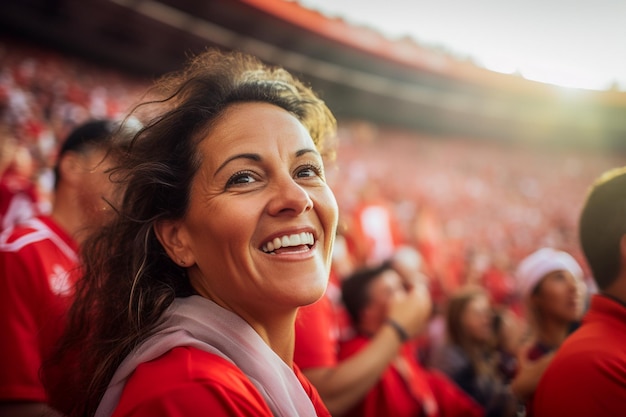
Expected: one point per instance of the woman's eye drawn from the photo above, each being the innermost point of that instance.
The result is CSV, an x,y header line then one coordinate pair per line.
x,y
243,177
307,171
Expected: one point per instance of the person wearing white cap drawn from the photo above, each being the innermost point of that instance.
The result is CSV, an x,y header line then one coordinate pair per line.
x,y
587,376
551,285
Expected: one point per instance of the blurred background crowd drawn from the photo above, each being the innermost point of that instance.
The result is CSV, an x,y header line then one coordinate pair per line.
x,y
471,170
472,208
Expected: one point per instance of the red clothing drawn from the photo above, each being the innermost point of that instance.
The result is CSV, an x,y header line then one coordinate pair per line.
x,y
407,389
587,377
452,400
316,336
38,264
319,328
190,382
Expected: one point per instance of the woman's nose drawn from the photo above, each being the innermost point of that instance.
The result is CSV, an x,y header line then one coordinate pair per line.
x,y
289,198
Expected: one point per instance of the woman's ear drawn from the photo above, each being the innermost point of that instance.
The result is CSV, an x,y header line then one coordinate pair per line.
x,y
174,239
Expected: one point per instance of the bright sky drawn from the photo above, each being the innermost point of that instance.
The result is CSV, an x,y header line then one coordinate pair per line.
x,y
572,43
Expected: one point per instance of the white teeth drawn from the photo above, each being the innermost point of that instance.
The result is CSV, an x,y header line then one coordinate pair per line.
x,y
303,238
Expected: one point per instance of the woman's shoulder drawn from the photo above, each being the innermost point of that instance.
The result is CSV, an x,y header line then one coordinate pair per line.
x,y
188,381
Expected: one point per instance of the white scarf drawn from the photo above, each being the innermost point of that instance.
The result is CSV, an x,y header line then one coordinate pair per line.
x,y
200,323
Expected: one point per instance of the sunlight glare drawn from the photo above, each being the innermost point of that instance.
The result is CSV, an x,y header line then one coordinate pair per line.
x,y
551,42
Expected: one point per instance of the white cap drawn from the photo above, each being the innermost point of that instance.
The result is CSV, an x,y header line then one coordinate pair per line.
x,y
537,265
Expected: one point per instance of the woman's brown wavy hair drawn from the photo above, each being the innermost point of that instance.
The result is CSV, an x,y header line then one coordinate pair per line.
x,y
128,278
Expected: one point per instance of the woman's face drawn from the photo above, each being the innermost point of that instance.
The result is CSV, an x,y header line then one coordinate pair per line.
x,y
559,296
477,319
261,221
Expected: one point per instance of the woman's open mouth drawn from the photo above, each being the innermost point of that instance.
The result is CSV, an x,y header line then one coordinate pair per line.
x,y
298,242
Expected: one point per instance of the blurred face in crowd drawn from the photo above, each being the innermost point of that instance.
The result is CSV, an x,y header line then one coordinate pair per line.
x,y
381,291
559,296
477,319
93,186
257,238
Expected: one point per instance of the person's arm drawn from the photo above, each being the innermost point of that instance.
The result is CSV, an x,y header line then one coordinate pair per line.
x,y
27,409
343,385
528,375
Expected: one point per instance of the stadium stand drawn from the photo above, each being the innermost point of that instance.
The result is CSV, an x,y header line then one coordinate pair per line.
x,y
456,198
473,169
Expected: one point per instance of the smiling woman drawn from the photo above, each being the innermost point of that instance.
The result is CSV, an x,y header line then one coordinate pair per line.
x,y
225,229
262,183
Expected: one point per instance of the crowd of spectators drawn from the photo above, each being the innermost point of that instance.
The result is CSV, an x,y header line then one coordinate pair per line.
x,y
473,208
466,210
45,94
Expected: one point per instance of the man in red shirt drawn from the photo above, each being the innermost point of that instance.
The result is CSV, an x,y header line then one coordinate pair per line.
x,y
405,388
587,377
319,327
38,266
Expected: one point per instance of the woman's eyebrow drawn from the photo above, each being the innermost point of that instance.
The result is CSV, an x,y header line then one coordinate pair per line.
x,y
307,150
251,156
256,157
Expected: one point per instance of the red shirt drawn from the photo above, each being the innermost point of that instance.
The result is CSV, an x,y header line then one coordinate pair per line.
x,y
319,328
587,377
406,389
188,382
316,336
37,270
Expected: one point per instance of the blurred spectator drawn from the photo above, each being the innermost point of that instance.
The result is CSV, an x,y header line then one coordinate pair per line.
x,y
509,332
44,95
374,227
343,382
18,194
38,266
405,388
552,287
587,376
470,357
408,263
